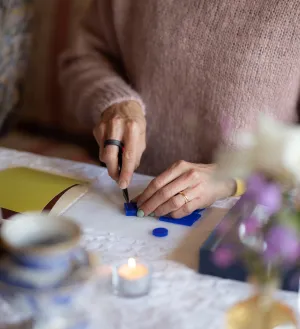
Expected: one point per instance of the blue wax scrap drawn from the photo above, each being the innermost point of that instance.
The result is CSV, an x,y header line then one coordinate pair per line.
x,y
160,232
130,209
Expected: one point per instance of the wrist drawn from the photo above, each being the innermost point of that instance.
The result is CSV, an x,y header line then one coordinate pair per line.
x,y
239,187
231,187
126,108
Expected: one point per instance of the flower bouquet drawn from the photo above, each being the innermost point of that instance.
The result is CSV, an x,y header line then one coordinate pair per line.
x,y
268,160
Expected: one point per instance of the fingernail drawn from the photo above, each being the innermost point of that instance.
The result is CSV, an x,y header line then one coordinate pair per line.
x,y
122,184
140,213
152,214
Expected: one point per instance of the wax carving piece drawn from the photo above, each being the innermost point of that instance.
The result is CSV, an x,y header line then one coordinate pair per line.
x,y
130,209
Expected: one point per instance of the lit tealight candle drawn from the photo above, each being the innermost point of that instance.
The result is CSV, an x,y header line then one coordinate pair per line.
x,y
132,279
132,270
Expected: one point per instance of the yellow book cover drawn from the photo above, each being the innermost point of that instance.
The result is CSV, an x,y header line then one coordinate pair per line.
x,y
25,189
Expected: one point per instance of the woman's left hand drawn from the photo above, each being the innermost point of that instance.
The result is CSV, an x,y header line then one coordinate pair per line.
x,y
181,189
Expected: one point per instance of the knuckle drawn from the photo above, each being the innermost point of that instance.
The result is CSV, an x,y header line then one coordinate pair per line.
x,y
132,125
198,199
194,174
116,120
175,203
164,193
156,184
180,164
129,154
161,194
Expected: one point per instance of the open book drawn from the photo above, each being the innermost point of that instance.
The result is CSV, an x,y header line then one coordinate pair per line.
x,y
24,189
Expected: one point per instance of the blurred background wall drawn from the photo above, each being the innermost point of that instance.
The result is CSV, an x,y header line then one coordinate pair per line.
x,y
42,125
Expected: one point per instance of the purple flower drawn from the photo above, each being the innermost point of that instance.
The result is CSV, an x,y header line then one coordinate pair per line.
x,y
250,225
255,184
224,256
264,192
282,244
271,198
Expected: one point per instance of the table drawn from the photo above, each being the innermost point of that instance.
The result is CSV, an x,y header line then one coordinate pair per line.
x,y
180,297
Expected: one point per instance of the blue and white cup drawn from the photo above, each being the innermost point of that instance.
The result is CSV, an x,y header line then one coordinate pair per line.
x,y
41,250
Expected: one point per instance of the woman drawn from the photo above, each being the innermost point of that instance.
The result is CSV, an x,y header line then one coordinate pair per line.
x,y
193,70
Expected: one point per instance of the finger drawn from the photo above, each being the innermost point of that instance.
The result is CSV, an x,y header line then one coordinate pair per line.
x,y
187,209
162,180
200,197
174,203
141,149
167,193
110,154
99,135
130,154
135,199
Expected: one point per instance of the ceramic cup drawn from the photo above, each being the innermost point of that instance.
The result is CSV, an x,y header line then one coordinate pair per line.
x,y
40,249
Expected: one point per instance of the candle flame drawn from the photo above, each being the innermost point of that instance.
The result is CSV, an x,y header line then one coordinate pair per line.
x,y
131,263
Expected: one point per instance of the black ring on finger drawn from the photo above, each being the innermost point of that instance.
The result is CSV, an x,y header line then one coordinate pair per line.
x,y
113,142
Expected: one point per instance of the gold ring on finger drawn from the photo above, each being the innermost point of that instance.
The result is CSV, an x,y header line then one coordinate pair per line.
x,y
186,199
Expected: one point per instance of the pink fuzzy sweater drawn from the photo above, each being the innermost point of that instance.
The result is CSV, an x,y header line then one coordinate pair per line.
x,y
199,68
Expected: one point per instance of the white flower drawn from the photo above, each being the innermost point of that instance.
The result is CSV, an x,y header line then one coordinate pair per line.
x,y
273,148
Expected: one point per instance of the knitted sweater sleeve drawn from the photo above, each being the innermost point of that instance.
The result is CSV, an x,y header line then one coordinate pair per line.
x,y
90,71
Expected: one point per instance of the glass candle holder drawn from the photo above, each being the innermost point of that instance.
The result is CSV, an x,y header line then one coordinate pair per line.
x,y
131,279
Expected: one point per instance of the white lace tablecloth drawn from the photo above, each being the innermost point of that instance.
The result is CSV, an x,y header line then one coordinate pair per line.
x,y
180,298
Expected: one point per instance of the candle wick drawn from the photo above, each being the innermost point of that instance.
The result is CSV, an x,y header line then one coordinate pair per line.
x,y
131,263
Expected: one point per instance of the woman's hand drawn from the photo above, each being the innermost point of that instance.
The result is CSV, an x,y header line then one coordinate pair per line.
x,y
181,189
124,122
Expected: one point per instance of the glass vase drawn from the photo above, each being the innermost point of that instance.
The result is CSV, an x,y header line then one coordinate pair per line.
x,y
261,310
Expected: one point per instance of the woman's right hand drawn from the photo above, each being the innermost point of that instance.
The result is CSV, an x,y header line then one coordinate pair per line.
x,y
124,122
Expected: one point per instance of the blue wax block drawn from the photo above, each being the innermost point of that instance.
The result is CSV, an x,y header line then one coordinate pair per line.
x,y
198,211
130,209
186,221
